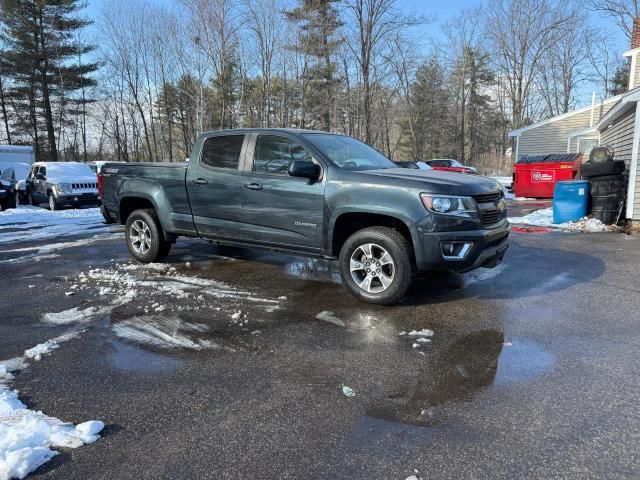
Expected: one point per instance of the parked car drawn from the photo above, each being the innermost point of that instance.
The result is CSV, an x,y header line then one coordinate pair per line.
x,y
62,184
450,165
408,164
8,189
20,170
312,193
423,166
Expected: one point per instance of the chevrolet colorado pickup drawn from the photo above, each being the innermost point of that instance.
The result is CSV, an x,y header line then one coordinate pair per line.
x,y
311,193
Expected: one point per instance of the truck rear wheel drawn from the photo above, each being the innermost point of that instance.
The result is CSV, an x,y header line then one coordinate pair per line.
x,y
145,237
376,265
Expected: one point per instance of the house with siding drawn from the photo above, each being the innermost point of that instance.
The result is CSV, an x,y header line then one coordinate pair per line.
x,y
614,122
571,132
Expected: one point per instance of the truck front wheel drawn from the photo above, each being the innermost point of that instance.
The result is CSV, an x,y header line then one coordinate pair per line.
x,y
145,238
376,265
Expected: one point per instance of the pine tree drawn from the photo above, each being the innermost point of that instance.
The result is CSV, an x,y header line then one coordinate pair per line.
x,y
44,62
319,23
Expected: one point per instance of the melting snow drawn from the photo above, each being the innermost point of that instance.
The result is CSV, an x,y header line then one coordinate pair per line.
x,y
27,436
74,315
45,224
163,332
330,318
544,218
425,332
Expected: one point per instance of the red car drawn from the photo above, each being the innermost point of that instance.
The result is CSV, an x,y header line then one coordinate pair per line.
x,y
450,165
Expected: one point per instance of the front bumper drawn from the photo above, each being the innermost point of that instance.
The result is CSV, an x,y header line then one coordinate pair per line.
x,y
78,199
487,249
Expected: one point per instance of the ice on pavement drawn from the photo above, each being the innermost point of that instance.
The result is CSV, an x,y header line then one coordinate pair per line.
x,y
544,218
163,332
27,437
34,223
51,250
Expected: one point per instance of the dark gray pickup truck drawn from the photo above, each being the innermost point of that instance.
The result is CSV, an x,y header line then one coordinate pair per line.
x,y
316,194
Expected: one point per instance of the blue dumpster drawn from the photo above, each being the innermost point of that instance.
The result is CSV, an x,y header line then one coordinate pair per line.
x,y
570,201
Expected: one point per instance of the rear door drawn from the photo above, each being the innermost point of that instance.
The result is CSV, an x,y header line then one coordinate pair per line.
x,y
280,209
214,185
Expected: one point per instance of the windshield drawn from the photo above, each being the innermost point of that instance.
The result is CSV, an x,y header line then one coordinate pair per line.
x,y
348,153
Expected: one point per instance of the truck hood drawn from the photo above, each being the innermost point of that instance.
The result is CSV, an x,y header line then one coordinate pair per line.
x,y
438,181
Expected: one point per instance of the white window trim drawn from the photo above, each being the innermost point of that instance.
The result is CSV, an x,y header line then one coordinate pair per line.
x,y
597,139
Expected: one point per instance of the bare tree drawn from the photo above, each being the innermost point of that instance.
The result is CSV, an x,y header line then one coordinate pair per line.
x,y
522,32
565,65
264,21
621,11
374,22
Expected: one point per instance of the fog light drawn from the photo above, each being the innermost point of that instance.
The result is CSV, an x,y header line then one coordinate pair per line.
x,y
455,250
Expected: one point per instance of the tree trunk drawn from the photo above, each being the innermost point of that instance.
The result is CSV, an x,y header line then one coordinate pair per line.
x,y
5,117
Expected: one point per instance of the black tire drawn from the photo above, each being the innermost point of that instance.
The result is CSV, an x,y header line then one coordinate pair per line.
x,y
12,200
152,247
4,204
53,204
23,199
600,169
400,251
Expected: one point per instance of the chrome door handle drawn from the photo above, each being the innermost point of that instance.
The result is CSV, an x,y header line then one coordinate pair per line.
x,y
199,181
253,186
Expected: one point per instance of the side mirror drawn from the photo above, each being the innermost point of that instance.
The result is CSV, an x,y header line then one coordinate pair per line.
x,y
304,169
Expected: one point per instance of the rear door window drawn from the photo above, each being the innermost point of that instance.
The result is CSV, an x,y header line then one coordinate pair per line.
x,y
222,151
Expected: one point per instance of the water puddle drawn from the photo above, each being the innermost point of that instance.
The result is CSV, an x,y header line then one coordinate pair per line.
x,y
522,360
123,356
458,372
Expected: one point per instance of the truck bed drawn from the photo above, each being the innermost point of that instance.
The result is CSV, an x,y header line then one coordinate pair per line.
x,y
144,181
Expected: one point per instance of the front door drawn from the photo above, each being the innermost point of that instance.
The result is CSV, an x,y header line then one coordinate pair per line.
x,y
277,208
214,185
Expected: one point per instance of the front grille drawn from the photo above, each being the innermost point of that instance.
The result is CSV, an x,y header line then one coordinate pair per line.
x,y
79,186
488,197
488,203
489,217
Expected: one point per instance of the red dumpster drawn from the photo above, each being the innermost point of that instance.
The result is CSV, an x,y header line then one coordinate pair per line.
x,y
535,176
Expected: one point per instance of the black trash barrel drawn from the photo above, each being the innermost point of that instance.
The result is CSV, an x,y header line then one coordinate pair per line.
x,y
606,196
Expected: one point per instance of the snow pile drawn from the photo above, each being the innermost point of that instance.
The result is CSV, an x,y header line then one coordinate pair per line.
x,y
27,436
163,332
506,182
544,218
74,315
34,223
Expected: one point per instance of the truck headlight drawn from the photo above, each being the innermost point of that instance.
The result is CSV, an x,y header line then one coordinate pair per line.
x,y
449,205
64,188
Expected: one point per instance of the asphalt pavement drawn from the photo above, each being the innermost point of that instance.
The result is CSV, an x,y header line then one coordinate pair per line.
x,y
531,372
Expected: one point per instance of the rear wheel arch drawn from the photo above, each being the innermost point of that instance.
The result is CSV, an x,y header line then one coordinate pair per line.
x,y
128,205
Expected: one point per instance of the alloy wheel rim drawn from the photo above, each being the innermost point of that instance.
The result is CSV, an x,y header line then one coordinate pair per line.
x,y
372,268
52,203
140,236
